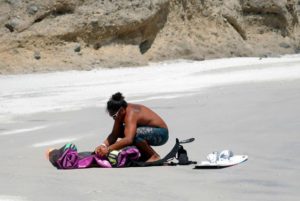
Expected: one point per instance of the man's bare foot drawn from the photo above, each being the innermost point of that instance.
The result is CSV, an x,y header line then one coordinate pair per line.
x,y
154,157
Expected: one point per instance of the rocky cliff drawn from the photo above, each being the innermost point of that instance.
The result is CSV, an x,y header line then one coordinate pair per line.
x,y
84,34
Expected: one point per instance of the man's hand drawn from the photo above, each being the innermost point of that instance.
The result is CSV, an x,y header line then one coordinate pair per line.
x,y
102,150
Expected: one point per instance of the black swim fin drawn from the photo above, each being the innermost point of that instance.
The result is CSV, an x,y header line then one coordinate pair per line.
x,y
161,162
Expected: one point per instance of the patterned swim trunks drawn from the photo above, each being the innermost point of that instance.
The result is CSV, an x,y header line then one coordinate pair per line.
x,y
153,135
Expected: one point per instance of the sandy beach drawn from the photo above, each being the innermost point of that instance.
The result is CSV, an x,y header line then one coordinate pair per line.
x,y
257,116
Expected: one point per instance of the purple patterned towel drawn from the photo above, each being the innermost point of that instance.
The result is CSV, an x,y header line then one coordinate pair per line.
x,y
128,154
70,159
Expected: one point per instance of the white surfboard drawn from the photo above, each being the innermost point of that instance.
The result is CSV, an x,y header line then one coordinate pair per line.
x,y
222,163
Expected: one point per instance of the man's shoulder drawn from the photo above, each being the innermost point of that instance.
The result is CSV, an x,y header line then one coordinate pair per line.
x,y
135,107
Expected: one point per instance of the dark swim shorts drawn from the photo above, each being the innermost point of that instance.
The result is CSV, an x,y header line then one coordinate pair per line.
x,y
153,135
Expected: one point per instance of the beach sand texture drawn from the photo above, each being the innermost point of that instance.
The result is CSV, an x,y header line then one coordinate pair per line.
x,y
258,117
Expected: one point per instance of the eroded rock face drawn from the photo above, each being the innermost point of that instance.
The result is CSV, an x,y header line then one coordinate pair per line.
x,y
84,34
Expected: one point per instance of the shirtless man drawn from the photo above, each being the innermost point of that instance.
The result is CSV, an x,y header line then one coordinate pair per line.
x,y
136,125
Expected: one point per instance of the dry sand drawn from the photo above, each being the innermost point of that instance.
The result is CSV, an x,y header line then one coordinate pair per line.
x,y
43,36
257,119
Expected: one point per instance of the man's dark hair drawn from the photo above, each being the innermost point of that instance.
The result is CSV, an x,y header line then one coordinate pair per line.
x,y
115,102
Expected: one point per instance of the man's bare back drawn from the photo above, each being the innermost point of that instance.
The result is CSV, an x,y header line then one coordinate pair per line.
x,y
144,116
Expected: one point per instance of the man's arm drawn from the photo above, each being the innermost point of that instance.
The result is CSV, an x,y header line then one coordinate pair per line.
x,y
111,139
129,133
126,141
114,135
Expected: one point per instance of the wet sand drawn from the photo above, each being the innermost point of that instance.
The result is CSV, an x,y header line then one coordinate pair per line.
x,y
257,119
